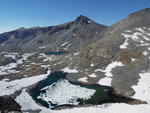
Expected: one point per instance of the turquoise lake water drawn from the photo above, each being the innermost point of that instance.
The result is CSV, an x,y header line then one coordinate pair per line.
x,y
99,96
56,53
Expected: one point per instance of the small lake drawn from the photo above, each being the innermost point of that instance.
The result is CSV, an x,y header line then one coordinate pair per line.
x,y
55,91
56,53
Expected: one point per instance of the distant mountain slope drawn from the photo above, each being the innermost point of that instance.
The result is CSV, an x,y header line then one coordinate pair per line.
x,y
126,45
75,34
134,20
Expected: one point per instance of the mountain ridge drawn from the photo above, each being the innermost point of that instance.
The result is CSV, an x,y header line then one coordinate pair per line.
x,y
81,25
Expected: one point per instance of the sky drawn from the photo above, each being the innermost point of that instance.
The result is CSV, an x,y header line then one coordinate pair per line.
x,y
30,13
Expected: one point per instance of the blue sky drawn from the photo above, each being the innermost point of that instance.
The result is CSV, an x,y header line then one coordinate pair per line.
x,y
29,13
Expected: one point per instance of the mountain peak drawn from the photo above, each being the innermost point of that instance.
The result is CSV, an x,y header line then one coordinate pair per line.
x,y
82,19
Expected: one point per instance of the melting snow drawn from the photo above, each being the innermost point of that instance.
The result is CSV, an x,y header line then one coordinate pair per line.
x,y
74,35
142,89
133,59
136,34
76,53
127,31
107,80
62,92
42,47
92,75
92,65
6,79
148,34
8,68
67,70
109,108
112,65
125,44
97,70
68,46
135,37
89,21
27,103
142,92
145,53
140,29
8,88
47,57
145,44
58,63
12,55
84,79
64,43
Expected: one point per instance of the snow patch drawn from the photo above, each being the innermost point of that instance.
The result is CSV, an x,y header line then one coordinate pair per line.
x,y
125,44
112,65
142,89
140,29
92,65
128,31
84,79
42,47
145,53
97,70
8,88
109,108
47,57
74,34
107,80
9,67
45,66
92,75
76,53
27,103
67,70
68,46
5,79
148,34
135,36
12,55
145,44
64,44
133,59
89,21
58,63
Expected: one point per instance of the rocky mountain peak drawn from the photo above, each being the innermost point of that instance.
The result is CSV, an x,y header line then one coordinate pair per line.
x,y
82,19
